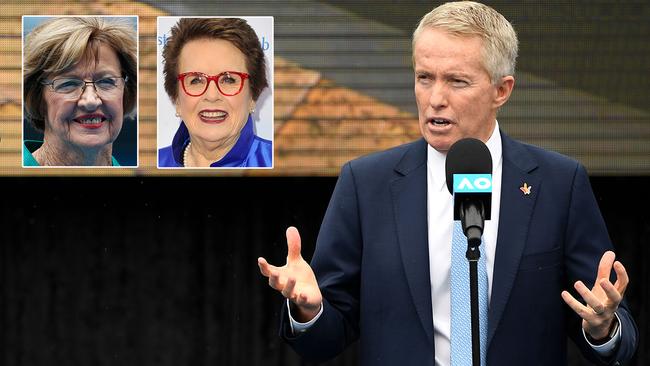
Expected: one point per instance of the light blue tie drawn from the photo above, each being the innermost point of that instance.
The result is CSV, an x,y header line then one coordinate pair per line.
x,y
461,322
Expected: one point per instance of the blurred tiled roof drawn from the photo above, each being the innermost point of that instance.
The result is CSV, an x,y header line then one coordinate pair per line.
x,y
334,124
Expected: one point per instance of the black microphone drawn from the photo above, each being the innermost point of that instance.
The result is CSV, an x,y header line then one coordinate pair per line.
x,y
469,179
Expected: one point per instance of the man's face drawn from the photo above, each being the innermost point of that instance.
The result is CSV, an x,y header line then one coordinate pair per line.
x,y
454,94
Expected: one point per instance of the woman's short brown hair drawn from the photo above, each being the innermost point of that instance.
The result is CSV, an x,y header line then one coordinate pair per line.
x,y
59,44
235,30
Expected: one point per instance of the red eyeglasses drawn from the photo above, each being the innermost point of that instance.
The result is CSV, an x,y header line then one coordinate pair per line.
x,y
229,83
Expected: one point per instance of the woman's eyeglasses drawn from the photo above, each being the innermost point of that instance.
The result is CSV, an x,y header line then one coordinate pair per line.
x,y
72,88
229,83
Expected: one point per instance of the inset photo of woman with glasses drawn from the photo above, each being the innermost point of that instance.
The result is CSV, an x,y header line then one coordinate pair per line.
x,y
80,91
216,108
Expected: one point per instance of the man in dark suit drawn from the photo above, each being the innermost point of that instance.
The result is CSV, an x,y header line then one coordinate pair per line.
x,y
380,272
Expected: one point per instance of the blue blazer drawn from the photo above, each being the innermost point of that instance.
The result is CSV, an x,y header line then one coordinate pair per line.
x,y
371,262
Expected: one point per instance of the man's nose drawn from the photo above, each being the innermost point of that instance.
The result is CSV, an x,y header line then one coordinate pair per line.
x,y
438,97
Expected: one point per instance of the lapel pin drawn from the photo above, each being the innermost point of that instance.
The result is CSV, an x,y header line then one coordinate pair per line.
x,y
525,189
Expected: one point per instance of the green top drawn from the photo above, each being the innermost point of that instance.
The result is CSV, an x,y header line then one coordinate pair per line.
x,y
32,145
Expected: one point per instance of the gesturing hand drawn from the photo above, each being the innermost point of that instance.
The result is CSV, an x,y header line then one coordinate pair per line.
x,y
295,280
603,299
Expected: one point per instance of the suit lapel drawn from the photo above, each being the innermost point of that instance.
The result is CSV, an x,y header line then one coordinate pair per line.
x,y
515,214
409,196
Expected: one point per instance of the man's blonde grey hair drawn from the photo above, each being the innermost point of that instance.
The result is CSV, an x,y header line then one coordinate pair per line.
x,y
58,44
468,18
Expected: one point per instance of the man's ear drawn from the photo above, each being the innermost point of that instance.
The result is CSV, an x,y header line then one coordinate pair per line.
x,y
504,89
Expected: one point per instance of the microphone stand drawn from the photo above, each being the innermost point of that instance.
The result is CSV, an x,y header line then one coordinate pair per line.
x,y
472,219
473,255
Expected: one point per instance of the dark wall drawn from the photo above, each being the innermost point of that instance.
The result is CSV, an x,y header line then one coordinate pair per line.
x,y
159,271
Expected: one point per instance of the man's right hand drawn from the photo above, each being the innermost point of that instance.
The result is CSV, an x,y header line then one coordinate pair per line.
x,y
295,280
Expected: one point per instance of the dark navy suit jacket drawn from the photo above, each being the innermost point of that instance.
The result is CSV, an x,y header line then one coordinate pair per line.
x,y
371,262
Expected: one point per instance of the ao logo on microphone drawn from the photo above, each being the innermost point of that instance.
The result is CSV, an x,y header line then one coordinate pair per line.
x,y
472,183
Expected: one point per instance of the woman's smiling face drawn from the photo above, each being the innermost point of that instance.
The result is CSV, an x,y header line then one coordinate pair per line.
x,y
88,122
213,118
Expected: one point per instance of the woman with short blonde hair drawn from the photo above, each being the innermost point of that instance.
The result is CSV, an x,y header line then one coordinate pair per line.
x,y
79,81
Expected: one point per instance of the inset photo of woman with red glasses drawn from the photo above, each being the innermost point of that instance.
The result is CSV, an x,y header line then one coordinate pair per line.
x,y
217,74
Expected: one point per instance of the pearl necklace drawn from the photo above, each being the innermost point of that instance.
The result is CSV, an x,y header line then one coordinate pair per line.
x,y
185,153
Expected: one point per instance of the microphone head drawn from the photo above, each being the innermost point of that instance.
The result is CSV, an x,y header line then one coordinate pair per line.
x,y
469,160
467,156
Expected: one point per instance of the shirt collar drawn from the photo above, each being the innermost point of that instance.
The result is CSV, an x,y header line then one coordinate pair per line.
x,y
235,157
436,160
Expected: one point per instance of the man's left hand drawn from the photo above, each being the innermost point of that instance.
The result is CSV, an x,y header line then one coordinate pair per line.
x,y
602,300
